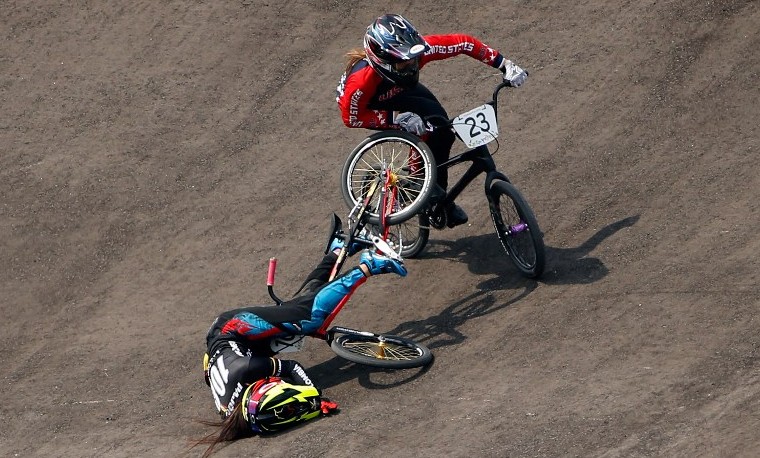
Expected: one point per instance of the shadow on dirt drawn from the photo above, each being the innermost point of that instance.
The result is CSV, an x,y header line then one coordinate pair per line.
x,y
572,266
338,370
485,256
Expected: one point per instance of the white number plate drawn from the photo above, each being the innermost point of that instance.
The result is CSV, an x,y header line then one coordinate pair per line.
x,y
477,126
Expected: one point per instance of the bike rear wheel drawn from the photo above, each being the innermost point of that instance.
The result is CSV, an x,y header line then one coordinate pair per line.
x,y
412,168
390,352
517,228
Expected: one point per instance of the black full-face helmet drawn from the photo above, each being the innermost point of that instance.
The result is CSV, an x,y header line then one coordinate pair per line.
x,y
394,48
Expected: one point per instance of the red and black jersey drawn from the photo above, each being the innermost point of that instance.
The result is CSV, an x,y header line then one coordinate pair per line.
x,y
361,87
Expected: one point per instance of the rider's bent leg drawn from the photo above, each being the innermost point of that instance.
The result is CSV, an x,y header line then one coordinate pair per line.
x,y
307,312
319,275
330,296
304,313
334,293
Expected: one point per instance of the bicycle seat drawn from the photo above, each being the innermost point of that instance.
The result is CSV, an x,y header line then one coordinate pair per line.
x,y
336,230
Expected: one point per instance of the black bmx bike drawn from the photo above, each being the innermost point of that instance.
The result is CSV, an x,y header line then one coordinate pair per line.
x,y
418,208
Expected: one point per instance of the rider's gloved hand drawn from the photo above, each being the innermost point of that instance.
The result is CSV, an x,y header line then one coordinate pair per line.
x,y
513,74
411,123
327,407
379,264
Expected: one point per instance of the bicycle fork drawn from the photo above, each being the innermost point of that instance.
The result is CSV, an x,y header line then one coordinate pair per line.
x,y
387,201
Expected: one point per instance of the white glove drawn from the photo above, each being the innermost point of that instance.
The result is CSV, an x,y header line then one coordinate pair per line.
x,y
513,74
411,123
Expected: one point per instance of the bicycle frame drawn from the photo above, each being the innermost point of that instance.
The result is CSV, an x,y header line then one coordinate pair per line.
x,y
357,217
480,158
482,162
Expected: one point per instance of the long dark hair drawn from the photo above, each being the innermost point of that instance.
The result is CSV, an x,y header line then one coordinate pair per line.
x,y
231,428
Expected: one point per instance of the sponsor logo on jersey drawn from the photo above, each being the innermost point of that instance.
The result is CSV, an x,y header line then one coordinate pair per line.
x,y
233,398
302,373
353,109
451,49
235,348
394,91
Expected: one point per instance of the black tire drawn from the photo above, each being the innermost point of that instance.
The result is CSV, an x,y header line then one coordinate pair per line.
x,y
393,148
517,228
390,352
410,236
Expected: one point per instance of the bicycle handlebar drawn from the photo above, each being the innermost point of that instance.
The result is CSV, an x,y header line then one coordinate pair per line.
x,y
446,122
271,272
499,87
270,280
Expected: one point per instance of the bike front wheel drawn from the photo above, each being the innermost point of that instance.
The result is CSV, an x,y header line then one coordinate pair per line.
x,y
409,238
390,352
517,228
412,174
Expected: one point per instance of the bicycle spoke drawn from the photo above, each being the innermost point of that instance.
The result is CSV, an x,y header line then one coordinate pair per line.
x,y
387,351
517,228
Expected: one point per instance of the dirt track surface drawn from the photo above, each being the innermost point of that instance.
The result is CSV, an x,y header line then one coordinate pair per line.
x,y
155,155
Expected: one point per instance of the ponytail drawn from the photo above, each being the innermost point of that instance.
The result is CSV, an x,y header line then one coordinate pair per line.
x,y
354,56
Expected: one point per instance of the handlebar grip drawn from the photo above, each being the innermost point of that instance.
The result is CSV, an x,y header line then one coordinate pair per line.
x,y
272,269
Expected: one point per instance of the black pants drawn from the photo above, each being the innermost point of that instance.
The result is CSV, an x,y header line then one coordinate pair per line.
x,y
421,101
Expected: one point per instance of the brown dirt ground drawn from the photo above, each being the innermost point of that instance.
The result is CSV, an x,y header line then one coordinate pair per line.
x,y
155,155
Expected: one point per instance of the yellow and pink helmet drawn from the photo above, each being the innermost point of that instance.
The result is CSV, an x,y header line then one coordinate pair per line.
x,y
273,404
